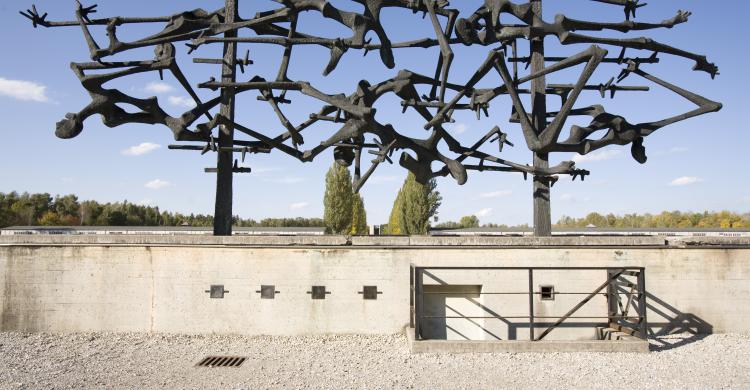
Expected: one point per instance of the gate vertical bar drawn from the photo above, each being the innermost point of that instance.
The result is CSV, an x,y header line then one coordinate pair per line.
x,y
542,208
531,304
642,303
612,307
418,302
223,206
412,291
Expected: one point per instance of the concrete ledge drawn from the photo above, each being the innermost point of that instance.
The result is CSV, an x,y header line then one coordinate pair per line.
x,y
377,241
537,241
686,242
380,240
328,240
518,346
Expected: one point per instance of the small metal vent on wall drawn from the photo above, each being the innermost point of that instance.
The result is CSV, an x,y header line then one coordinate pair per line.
x,y
547,293
221,361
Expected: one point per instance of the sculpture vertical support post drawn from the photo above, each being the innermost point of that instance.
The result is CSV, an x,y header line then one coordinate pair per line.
x,y
223,207
542,213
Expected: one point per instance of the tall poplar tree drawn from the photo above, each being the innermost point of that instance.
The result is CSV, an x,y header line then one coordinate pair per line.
x,y
415,204
337,201
359,216
394,219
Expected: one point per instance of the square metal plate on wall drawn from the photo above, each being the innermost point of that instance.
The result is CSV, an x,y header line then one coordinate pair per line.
x,y
267,292
217,291
319,292
370,292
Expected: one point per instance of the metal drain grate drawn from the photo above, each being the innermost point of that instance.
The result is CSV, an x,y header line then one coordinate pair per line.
x,y
221,361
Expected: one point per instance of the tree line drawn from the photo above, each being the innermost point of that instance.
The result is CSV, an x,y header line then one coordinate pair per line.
x,y
66,210
665,219
413,209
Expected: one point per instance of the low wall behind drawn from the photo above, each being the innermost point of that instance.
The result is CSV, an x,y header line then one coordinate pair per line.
x,y
66,284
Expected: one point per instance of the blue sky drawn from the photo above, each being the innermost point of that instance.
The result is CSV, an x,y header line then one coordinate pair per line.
x,y
695,165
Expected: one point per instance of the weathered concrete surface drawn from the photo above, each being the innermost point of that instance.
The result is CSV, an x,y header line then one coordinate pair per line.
x,y
627,345
709,241
589,241
378,241
162,289
386,241
125,286
185,239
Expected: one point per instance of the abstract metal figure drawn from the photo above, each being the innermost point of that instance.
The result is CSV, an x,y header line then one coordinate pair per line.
x,y
354,124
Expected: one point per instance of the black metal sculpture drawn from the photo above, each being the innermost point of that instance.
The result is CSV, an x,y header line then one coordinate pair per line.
x,y
353,117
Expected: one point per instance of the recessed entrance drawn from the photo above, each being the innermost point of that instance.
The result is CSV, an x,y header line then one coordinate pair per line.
x,y
448,310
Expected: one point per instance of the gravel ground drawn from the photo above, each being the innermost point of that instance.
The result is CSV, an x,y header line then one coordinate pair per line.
x,y
167,361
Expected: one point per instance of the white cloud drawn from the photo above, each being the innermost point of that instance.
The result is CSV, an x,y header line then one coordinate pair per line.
x,y
23,90
685,180
158,87
678,149
460,128
383,179
258,170
495,194
139,150
181,101
483,212
298,205
672,150
157,184
597,156
567,197
288,180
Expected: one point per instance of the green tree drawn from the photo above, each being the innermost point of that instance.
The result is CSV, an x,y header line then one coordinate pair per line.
x,y
394,220
415,205
359,216
469,221
89,212
116,218
23,212
337,201
449,225
7,216
66,205
50,218
40,203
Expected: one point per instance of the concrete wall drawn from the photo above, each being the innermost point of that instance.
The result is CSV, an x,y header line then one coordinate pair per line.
x,y
159,286
162,289
697,289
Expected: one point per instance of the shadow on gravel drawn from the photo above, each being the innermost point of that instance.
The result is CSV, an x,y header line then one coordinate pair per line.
x,y
676,328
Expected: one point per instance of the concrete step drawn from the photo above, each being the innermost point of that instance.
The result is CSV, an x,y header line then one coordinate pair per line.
x,y
607,333
627,344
